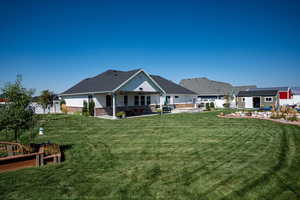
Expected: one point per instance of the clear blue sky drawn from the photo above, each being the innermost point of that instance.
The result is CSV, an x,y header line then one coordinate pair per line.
x,y
56,43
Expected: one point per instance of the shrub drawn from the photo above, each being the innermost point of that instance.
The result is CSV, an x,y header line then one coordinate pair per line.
x,y
226,105
292,118
212,104
85,108
91,107
78,113
64,108
62,102
207,107
120,114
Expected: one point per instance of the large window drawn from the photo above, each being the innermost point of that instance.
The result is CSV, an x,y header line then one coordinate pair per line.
x,y
142,100
167,101
148,100
125,100
136,100
108,101
90,98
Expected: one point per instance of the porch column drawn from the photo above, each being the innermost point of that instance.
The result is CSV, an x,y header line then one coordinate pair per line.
x,y
114,105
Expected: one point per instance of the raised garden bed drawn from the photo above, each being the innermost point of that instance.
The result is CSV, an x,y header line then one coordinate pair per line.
x,y
18,156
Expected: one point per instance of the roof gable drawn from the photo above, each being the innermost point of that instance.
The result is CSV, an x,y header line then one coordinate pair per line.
x,y
140,82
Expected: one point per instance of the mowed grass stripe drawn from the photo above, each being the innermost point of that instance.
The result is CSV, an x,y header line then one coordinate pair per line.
x,y
181,156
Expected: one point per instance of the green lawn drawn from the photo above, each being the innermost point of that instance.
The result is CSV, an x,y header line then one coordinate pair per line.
x,y
181,156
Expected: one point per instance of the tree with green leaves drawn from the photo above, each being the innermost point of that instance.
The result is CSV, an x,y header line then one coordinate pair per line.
x,y
16,115
46,99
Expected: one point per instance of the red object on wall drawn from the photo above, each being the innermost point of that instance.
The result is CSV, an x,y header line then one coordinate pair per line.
x,y
285,95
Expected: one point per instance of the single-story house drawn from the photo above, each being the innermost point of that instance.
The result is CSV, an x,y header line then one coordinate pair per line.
x,y
114,91
285,95
38,109
3,100
213,91
257,98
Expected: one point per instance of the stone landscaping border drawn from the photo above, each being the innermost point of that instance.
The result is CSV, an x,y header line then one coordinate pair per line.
x,y
230,116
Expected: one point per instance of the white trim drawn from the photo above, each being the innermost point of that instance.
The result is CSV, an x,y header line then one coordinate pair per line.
x,y
136,75
84,93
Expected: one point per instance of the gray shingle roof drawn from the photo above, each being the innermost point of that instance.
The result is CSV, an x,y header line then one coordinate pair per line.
x,y
271,88
237,89
106,81
206,87
171,87
257,93
111,79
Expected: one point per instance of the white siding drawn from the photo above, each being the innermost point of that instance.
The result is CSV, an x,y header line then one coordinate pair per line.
x,y
75,101
293,101
182,99
296,99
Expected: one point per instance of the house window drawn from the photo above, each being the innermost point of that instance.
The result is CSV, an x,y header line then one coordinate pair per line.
x,y
136,100
243,99
268,99
142,100
125,100
90,98
148,100
167,100
176,97
108,101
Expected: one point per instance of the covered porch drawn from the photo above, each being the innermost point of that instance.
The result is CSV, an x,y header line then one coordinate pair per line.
x,y
132,103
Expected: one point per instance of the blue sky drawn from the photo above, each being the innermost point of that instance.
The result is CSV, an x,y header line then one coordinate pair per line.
x,y
56,43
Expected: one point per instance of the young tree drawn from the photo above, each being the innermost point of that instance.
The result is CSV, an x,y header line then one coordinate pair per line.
x,y
16,115
46,99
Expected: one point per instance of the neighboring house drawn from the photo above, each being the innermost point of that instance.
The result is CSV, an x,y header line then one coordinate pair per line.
x,y
213,91
257,98
235,92
38,109
284,94
2,99
114,91
296,95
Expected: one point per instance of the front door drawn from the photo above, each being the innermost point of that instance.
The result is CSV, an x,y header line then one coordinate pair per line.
x,y
256,102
